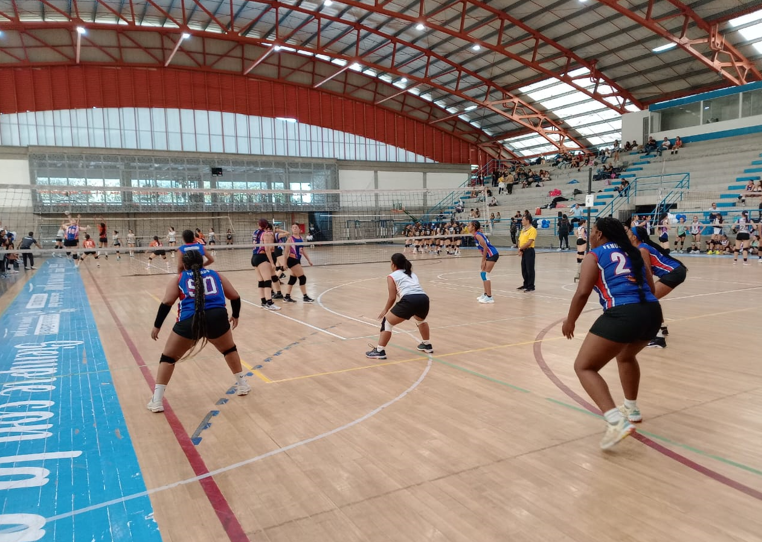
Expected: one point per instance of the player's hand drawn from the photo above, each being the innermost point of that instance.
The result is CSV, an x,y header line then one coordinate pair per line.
x,y
155,333
233,322
483,266
568,329
310,263
381,316
520,253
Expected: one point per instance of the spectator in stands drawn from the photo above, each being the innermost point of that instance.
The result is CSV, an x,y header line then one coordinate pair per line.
x,y
498,218
665,145
650,146
493,202
509,181
677,146
477,214
623,188
472,214
748,189
515,225
615,151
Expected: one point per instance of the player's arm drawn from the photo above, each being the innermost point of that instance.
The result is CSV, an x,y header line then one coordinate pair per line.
x,y
307,256
587,277
171,293
269,239
392,288
235,300
209,259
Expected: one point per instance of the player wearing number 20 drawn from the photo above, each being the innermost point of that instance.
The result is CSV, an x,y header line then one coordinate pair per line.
x,y
201,317
615,269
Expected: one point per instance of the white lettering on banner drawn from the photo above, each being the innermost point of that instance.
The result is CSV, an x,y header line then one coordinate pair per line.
x,y
48,324
39,475
32,527
37,301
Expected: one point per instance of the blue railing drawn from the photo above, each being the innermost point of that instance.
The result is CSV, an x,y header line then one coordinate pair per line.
x,y
675,183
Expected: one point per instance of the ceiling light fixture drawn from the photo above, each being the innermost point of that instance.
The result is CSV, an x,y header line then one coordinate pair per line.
x,y
328,2
476,47
81,30
420,26
185,36
665,47
403,80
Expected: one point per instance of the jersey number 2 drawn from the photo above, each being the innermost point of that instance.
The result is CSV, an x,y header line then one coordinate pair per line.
x,y
210,286
621,261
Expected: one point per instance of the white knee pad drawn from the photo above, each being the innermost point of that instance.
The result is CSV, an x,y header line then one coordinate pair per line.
x,y
385,325
419,324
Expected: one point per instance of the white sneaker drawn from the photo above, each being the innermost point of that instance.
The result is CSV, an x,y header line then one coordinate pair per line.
x,y
632,414
242,389
486,300
616,433
271,307
481,297
155,406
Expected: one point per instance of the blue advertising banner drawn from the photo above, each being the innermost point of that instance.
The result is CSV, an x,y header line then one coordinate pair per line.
x,y
64,445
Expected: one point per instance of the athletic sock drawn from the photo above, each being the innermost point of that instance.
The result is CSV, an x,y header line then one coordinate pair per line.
x,y
380,348
241,377
264,301
659,334
613,416
158,392
630,403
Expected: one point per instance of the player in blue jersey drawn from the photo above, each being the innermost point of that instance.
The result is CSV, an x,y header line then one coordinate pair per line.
x,y
279,259
670,271
295,250
201,317
264,264
190,244
615,269
489,257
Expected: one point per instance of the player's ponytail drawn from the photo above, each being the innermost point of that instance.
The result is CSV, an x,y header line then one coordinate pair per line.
x,y
642,235
613,230
400,262
193,261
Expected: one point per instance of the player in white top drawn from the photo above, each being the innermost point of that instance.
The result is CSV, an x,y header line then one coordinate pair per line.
x,y
413,303
581,240
60,236
172,239
696,229
131,242
743,237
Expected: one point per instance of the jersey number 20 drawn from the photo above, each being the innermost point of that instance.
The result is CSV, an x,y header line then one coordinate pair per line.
x,y
210,286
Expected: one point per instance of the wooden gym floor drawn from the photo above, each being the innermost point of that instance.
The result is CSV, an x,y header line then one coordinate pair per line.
x,y
489,439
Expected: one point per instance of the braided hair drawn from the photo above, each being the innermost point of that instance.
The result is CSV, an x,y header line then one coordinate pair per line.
x,y
194,262
642,235
613,230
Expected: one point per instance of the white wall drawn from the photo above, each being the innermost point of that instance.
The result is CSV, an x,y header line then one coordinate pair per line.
x,y
745,122
350,179
15,204
445,180
632,126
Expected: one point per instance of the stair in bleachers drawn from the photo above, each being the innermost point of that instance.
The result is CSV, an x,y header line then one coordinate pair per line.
x,y
736,187
753,170
756,163
630,169
641,163
747,179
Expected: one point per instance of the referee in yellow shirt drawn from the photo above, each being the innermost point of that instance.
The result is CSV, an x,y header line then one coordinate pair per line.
x,y
526,251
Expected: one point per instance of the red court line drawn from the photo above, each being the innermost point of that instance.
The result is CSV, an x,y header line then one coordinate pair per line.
x,y
643,439
218,501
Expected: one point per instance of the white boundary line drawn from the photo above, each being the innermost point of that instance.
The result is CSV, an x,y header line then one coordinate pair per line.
x,y
247,461
296,320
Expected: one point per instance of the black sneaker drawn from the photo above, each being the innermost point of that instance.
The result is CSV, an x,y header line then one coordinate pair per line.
x,y
288,299
426,347
521,288
664,331
376,354
527,290
277,295
308,299
658,342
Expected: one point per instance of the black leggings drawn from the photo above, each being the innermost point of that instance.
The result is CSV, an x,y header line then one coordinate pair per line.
x,y
564,239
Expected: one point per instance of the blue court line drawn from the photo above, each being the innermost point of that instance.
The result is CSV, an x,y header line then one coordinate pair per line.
x,y
64,443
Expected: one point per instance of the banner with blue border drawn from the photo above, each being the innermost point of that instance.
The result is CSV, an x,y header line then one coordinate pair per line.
x,y
64,445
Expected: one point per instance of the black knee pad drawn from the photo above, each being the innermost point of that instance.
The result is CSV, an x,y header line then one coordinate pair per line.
x,y
292,280
230,350
302,280
166,359
261,284
274,278
267,284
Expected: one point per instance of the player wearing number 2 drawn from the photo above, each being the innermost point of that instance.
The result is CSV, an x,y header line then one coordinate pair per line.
x,y
631,317
201,317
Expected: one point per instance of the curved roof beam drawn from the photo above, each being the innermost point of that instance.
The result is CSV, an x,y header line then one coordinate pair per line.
x,y
498,44
725,59
496,100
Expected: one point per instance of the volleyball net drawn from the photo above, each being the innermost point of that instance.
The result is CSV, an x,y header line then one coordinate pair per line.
x,y
337,226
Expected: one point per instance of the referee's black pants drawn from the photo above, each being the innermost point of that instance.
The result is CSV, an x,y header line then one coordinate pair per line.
x,y
527,268
28,257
